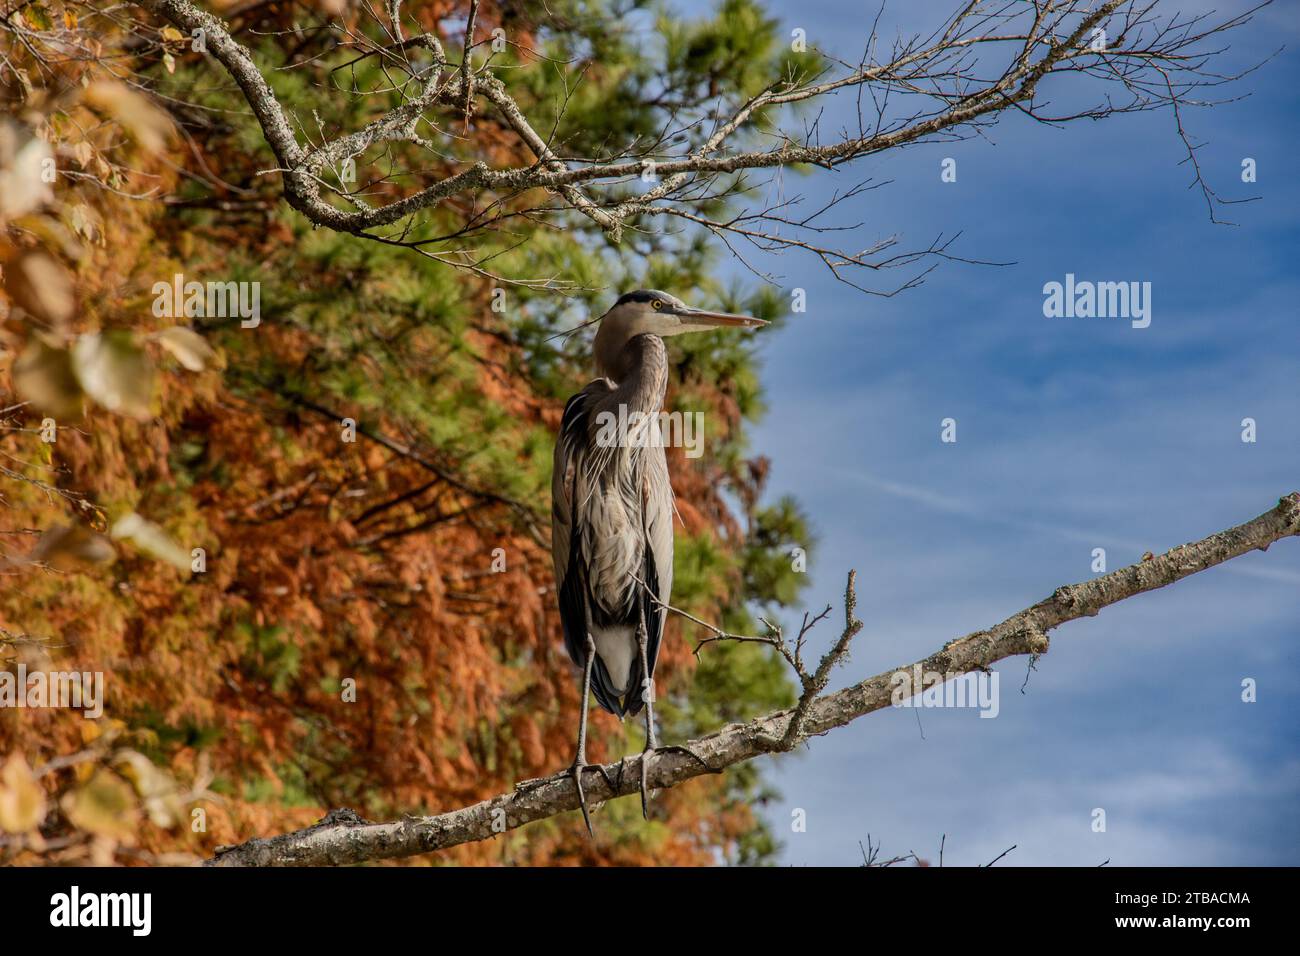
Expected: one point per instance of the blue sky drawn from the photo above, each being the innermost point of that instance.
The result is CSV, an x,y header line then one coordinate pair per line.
x,y
1072,434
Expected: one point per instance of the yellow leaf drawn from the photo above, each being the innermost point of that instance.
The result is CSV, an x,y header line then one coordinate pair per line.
x,y
157,790
152,540
146,124
104,806
25,166
86,222
22,802
190,348
37,17
172,35
109,728
114,371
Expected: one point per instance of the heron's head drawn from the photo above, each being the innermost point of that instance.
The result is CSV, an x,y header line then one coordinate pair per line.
x,y
649,311
658,313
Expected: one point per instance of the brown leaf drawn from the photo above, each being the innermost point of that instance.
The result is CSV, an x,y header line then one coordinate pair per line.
x,y
84,153
41,285
43,375
64,544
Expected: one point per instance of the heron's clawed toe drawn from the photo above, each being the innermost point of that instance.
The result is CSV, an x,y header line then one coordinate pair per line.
x,y
576,772
645,777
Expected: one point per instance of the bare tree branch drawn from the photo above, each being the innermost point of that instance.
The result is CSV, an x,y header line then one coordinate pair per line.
x,y
343,837
983,61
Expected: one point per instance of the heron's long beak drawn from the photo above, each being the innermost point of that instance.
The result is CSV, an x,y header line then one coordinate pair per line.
x,y
720,319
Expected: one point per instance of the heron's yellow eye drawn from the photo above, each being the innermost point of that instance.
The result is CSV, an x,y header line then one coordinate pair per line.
x,y
657,304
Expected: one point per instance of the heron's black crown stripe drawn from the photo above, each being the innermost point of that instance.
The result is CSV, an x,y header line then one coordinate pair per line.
x,y
642,295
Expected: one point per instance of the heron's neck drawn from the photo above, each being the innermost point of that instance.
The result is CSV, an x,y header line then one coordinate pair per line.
x,y
638,367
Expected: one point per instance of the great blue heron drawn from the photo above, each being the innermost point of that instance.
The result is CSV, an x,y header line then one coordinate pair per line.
x,y
612,512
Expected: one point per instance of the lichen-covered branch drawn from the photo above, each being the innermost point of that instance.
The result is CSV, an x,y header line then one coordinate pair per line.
x,y
343,837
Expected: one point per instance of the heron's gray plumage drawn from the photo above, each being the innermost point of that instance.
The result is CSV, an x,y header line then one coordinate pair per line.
x,y
612,542
612,511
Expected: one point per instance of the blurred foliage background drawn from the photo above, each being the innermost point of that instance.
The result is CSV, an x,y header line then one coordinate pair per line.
x,y
342,637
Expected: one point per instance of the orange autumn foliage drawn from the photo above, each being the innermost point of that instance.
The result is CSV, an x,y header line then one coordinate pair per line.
x,y
348,640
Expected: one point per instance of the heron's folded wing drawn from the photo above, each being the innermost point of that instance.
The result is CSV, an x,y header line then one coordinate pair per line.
x,y
566,538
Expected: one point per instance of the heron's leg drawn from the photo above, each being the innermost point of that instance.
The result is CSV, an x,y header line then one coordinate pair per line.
x,y
580,761
647,695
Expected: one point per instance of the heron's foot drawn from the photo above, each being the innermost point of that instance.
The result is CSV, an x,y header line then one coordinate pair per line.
x,y
535,783
645,775
576,773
